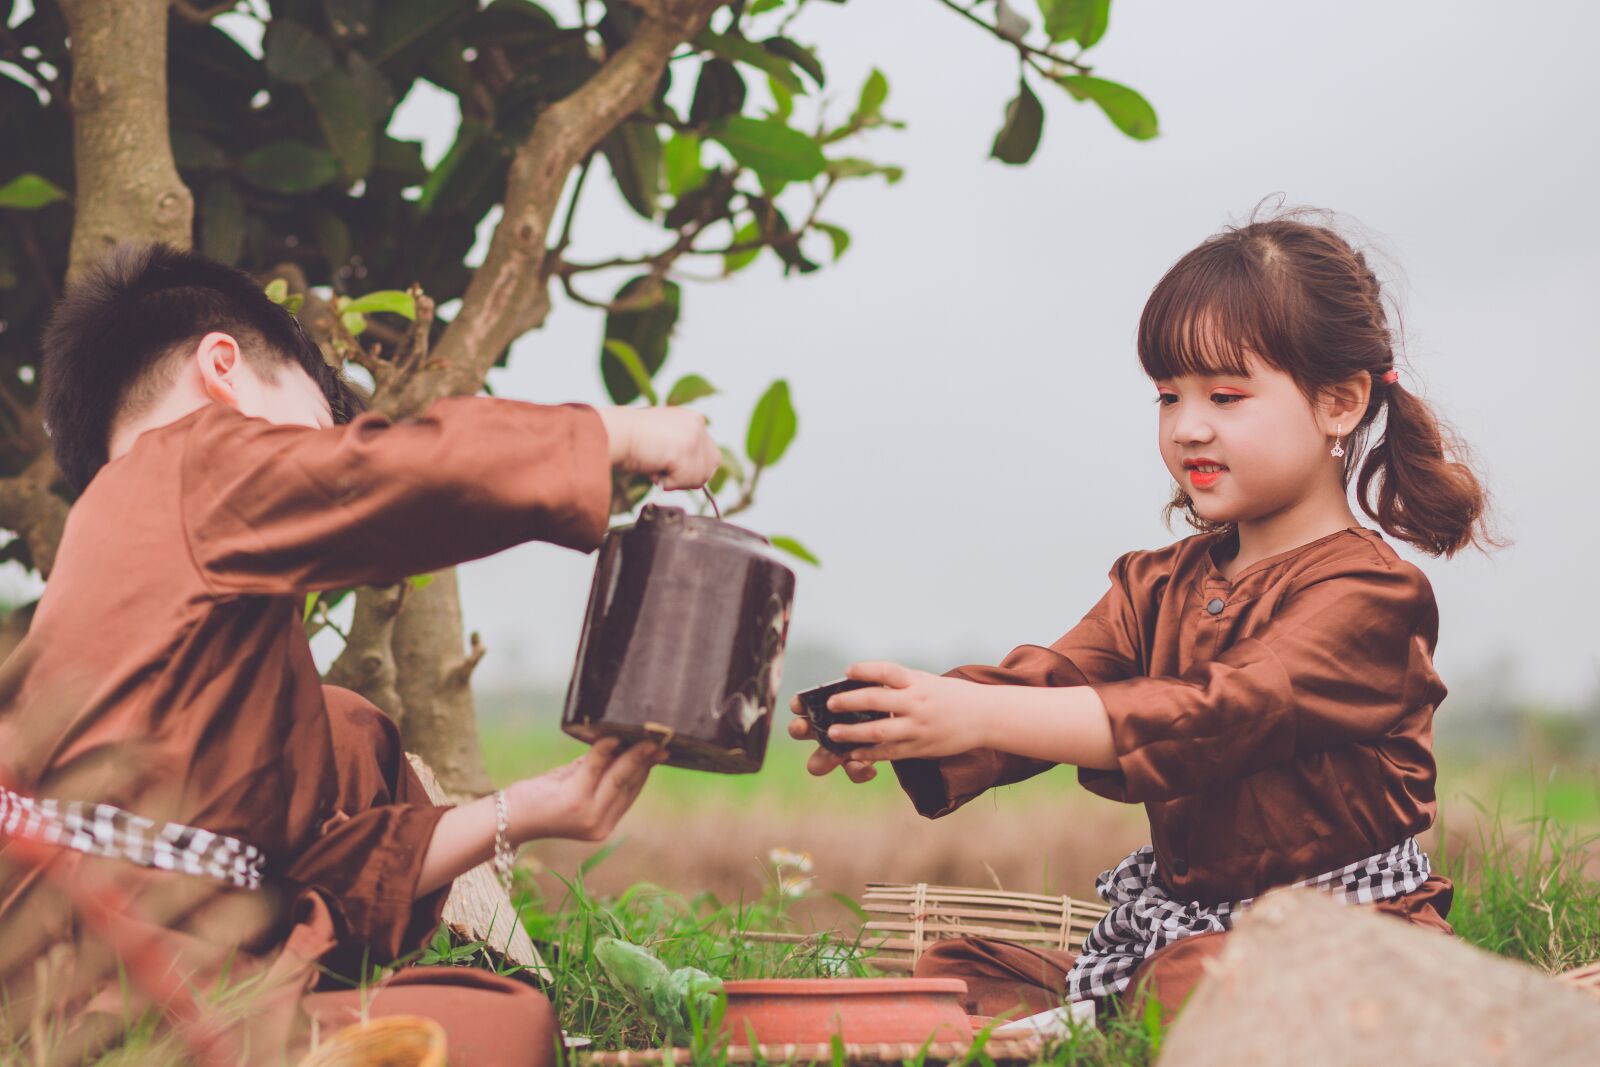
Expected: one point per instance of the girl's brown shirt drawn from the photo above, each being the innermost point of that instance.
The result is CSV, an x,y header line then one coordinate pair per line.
x,y
1275,726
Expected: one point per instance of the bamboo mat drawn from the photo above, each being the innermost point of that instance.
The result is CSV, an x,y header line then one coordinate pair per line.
x,y
1008,1050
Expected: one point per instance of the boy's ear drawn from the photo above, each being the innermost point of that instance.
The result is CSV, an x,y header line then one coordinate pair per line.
x,y
217,359
1343,403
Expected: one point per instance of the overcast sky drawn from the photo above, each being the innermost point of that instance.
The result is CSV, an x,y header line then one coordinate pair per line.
x,y
977,442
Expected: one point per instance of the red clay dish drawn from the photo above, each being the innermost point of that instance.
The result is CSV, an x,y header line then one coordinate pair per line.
x,y
860,1010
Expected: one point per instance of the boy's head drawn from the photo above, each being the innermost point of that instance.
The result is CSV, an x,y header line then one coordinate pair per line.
x,y
150,325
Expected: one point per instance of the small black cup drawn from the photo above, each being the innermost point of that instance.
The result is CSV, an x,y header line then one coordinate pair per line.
x,y
814,707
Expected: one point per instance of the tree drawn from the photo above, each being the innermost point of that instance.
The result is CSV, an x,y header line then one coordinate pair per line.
x,y
164,127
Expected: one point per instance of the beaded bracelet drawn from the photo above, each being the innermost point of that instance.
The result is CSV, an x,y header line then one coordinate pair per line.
x,y
503,856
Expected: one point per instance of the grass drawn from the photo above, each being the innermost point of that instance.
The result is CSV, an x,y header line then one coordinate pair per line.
x,y
1524,890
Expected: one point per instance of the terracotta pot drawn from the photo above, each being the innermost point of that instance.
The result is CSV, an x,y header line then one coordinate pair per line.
x,y
392,1041
860,1010
683,641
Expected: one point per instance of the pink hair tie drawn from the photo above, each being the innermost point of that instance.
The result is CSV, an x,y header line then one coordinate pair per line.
x,y
1390,376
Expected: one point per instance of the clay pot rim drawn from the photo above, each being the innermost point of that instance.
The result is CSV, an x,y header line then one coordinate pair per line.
x,y
830,987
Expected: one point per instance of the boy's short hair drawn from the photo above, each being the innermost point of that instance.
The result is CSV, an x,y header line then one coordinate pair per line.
x,y
106,348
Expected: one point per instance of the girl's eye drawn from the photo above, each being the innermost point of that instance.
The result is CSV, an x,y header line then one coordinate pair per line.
x,y
1224,399
1166,398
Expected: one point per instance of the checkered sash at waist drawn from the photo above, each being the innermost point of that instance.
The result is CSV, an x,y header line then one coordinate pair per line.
x,y
1143,919
105,830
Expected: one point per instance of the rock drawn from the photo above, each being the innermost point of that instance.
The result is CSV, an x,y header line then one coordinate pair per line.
x,y
1305,980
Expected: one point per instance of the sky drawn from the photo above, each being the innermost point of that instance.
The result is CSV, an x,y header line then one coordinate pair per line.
x,y
976,440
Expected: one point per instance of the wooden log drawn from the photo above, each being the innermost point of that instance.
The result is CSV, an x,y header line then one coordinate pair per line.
x,y
477,908
1306,980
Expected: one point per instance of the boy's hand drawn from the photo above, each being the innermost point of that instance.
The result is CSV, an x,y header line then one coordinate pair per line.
x,y
931,716
822,761
585,799
670,445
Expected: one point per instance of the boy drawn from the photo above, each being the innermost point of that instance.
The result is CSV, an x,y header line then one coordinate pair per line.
x,y
225,471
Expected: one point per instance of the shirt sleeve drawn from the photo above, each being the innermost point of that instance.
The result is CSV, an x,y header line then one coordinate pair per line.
x,y
367,856
1344,659
272,509
1103,645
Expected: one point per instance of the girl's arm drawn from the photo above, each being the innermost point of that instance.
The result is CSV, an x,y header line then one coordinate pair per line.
x,y
582,800
933,716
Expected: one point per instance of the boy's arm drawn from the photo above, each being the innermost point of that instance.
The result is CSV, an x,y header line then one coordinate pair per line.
x,y
272,509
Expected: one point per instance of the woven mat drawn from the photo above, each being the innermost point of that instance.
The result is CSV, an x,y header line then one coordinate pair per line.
x,y
1009,1050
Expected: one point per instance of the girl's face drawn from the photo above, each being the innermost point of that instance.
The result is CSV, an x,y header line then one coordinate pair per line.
x,y
1244,448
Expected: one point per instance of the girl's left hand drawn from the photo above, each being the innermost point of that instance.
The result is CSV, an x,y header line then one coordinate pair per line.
x,y
931,716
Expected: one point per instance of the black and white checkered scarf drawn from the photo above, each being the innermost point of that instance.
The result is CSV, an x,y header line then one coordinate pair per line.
x,y
1143,919
104,830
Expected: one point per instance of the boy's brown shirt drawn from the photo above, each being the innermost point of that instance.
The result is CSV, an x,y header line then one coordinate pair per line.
x,y
166,669
1275,726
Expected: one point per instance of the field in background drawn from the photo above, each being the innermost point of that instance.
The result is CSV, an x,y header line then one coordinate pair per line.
x,y
695,832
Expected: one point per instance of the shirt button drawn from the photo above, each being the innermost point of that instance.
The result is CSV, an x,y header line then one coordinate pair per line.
x,y
1215,605
1180,866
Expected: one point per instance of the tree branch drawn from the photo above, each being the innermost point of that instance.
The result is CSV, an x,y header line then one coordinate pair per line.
x,y
367,663
1025,49
509,293
127,183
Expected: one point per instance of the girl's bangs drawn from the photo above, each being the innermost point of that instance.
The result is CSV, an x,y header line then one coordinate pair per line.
x,y
1204,321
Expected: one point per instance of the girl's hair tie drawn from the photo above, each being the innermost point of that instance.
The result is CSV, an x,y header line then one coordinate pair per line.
x,y
1390,376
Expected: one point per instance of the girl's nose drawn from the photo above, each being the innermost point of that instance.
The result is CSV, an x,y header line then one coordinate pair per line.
x,y
1188,429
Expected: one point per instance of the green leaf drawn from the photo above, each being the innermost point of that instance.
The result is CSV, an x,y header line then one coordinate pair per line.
x,y
1081,20
799,55
837,234
600,856
288,167
771,149
648,330
394,301
1019,137
347,127
795,549
719,92
681,161
294,53
782,101
740,50
761,7
1130,111
421,581
772,426
734,262
277,290
354,322
634,152
625,354
850,167
311,603
689,388
194,151
222,220
28,192
874,91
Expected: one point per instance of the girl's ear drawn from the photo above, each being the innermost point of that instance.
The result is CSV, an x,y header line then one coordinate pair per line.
x,y
1342,404
217,359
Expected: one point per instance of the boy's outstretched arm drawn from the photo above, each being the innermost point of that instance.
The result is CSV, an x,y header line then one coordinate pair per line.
x,y
274,509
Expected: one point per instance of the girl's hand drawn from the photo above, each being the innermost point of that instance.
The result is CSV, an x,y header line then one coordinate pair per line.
x,y
931,716
584,799
822,761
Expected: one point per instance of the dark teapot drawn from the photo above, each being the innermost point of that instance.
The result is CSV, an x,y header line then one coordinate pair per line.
x,y
683,641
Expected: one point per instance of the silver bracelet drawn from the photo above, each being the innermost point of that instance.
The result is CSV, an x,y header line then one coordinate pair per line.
x,y
503,855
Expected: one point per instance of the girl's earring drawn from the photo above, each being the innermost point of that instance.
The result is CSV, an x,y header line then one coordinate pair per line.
x,y
1338,436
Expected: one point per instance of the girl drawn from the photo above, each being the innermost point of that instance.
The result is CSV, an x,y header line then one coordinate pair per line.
x,y
1264,687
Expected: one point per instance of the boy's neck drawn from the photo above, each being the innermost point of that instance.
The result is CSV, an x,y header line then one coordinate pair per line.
x,y
174,405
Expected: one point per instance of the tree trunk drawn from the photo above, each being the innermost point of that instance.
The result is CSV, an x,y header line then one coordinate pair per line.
x,y
434,680
127,183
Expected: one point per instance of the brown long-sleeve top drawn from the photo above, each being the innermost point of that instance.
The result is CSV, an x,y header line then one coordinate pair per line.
x,y
166,669
1275,726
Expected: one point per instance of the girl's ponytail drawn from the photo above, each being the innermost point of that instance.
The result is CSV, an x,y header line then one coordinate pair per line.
x,y
1415,482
